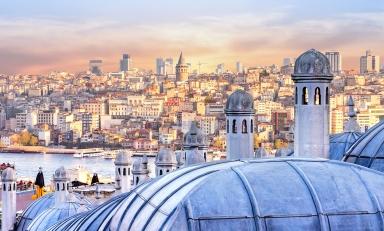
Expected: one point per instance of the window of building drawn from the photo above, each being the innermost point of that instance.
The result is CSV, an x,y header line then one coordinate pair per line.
x,y
317,96
234,126
57,187
124,171
137,180
251,126
326,96
63,189
296,95
227,126
244,128
304,97
161,172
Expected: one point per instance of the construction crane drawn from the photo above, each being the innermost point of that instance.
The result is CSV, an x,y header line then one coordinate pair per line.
x,y
199,64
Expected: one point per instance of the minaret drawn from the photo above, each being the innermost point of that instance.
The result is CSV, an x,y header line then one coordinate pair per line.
x,y
61,180
312,77
123,171
195,145
240,115
181,69
165,161
8,196
140,170
351,124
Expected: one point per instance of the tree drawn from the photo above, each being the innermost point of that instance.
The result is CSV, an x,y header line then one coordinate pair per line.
x,y
25,137
33,141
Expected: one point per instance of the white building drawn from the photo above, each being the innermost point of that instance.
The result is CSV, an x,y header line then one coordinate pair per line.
x,y
335,61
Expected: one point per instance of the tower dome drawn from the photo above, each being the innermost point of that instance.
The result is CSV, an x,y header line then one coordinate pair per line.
x,y
8,174
166,157
239,102
368,150
312,64
61,174
122,158
194,137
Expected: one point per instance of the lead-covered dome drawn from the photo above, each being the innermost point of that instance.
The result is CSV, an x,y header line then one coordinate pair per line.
x,y
122,158
239,101
61,174
38,206
340,143
194,137
166,157
8,174
312,64
368,150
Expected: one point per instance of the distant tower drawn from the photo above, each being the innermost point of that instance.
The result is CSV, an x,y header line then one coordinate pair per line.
x,y
195,146
351,125
240,114
181,69
140,170
123,171
61,180
125,63
165,161
312,77
8,195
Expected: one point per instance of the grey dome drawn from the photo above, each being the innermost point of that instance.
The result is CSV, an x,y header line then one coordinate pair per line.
x,y
271,194
8,174
368,150
61,174
239,101
38,206
52,215
122,158
166,157
340,143
140,165
194,137
312,64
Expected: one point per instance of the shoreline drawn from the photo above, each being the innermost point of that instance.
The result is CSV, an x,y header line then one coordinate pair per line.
x,y
46,150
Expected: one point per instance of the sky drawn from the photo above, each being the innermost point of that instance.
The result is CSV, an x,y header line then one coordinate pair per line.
x,y
38,36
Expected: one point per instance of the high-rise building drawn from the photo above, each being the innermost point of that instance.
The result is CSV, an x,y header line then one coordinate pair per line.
x,y
369,63
220,68
239,67
182,69
125,63
334,61
95,66
160,66
168,66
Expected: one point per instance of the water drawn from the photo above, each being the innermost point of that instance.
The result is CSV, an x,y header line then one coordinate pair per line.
x,y
27,165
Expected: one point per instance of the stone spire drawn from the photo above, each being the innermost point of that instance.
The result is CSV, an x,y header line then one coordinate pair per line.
x,y
8,179
351,124
181,59
195,145
182,69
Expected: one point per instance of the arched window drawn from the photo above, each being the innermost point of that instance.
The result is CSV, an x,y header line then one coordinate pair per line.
x,y
251,126
317,96
326,96
129,171
118,170
67,186
14,186
205,156
227,126
63,189
137,180
296,95
234,126
124,171
10,187
167,170
4,187
244,128
304,96
161,172
57,187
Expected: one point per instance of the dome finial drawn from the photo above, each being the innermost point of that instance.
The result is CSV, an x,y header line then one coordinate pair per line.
x,y
351,124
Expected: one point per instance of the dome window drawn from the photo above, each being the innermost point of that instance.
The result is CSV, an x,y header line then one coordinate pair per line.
x,y
244,128
234,126
317,96
304,96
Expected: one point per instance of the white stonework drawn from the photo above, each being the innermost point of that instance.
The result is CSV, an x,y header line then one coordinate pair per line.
x,y
195,146
61,180
312,77
240,115
8,196
140,170
123,171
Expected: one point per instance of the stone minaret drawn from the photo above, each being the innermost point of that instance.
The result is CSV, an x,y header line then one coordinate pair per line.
x,y
140,170
61,180
8,195
123,171
165,161
195,146
181,69
351,125
312,77
240,115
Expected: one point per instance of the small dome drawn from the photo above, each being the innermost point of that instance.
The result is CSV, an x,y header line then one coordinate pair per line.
x,y
140,165
310,64
38,206
122,158
240,101
166,157
368,150
52,215
8,174
61,174
194,137
340,143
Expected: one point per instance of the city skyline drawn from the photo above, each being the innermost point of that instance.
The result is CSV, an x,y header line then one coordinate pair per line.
x,y
40,36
